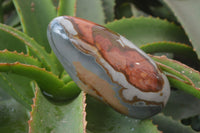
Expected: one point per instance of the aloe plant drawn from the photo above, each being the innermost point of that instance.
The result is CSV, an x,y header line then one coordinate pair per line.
x,y
37,95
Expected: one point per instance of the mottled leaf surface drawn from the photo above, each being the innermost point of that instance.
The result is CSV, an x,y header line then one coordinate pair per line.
x,y
59,118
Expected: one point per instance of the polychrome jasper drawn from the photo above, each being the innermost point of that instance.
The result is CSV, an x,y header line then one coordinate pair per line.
x,y
106,65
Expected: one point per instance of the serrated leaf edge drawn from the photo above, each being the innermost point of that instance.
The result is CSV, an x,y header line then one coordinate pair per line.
x,y
84,104
189,81
5,51
33,106
18,64
171,42
42,55
143,17
175,61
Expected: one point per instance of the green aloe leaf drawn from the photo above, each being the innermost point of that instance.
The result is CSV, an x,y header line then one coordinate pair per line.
x,y
13,39
13,115
186,103
170,47
178,51
183,10
84,10
10,43
48,117
44,78
108,6
12,57
35,16
66,78
50,84
143,30
180,75
18,87
67,7
103,119
168,125
15,85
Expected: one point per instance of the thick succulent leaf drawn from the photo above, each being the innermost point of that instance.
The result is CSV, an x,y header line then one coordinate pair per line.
x,y
57,68
66,78
35,16
108,6
170,47
168,125
18,87
15,85
13,39
103,119
192,74
15,63
178,51
47,81
13,116
12,57
54,118
143,30
187,105
50,84
67,7
8,42
183,10
180,75
84,10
